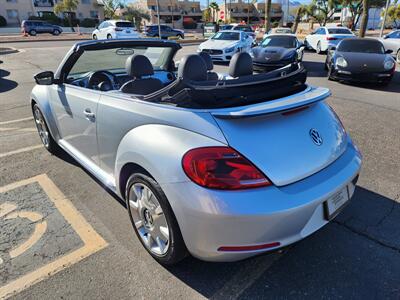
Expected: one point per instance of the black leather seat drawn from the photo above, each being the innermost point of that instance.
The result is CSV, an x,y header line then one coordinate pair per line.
x,y
241,64
192,68
210,66
139,66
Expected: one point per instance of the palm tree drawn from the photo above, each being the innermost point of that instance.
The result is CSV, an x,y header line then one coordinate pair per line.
x,y
300,12
364,18
136,16
214,7
67,7
267,15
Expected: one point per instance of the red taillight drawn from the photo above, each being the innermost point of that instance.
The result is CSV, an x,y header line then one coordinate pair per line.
x,y
222,168
118,29
330,38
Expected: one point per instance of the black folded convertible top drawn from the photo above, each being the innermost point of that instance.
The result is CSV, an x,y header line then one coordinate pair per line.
x,y
240,91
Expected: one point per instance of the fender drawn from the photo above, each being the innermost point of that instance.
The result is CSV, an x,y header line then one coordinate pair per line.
x,y
40,96
159,150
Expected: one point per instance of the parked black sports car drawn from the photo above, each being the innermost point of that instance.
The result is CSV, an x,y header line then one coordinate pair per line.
x,y
276,51
362,60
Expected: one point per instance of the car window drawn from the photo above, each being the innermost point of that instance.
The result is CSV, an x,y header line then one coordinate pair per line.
x,y
124,24
321,31
243,28
114,60
394,35
279,41
339,31
227,36
361,46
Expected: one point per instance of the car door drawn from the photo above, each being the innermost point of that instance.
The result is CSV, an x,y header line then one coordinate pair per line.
x,y
313,38
103,30
39,27
74,108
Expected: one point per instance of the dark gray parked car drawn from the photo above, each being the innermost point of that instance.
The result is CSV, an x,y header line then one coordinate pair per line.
x,y
33,27
166,31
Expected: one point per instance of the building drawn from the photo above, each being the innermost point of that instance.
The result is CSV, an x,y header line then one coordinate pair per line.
x,y
239,10
176,13
17,10
343,16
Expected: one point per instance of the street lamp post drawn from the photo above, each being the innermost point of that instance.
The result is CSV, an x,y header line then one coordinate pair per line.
x,y
384,18
158,18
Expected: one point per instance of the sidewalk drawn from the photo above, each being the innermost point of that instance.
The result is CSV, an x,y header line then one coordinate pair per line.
x,y
43,38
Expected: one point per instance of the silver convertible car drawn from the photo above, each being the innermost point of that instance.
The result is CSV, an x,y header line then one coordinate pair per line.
x,y
222,169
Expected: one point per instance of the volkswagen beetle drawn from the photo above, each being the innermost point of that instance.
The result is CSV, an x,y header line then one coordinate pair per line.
x,y
222,169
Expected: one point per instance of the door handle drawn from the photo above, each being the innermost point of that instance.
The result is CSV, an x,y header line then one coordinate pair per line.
x,y
89,115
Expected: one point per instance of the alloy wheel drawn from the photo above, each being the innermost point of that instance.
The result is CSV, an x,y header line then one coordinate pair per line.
x,y
149,219
41,126
318,48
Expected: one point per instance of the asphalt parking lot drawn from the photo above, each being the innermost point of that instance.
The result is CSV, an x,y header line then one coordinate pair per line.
x,y
64,236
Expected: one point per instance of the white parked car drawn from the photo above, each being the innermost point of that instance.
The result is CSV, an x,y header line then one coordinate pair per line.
x,y
324,37
224,44
115,29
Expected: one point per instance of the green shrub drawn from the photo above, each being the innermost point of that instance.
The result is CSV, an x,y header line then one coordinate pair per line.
x,y
3,21
65,22
88,22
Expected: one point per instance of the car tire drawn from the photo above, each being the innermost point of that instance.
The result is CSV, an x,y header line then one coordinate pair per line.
x,y
318,48
330,74
149,215
109,36
56,32
32,32
398,56
45,136
94,37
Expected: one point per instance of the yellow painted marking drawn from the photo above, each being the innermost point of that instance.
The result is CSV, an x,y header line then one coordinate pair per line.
x,y
21,150
16,121
40,229
93,242
6,208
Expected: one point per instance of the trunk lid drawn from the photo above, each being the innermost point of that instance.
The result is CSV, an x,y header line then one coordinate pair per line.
x,y
280,138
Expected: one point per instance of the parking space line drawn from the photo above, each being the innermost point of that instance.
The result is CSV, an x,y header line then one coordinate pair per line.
x,y
15,121
21,150
93,242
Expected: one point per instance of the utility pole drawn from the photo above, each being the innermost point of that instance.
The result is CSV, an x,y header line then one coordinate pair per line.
x,y
287,12
158,19
384,17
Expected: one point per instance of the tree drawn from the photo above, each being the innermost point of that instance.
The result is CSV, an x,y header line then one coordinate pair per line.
x,y
267,16
67,7
356,8
300,12
111,6
322,10
393,14
206,15
364,18
136,16
214,9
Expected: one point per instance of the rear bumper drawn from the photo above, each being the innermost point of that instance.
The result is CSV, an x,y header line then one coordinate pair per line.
x,y
209,219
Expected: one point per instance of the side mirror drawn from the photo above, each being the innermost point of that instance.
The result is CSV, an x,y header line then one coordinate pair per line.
x,y
332,48
385,36
97,27
44,78
301,45
388,51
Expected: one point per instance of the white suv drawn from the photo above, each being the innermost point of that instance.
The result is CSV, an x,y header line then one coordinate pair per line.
x,y
324,37
115,29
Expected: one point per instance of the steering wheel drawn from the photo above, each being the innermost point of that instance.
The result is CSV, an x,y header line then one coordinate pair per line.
x,y
101,80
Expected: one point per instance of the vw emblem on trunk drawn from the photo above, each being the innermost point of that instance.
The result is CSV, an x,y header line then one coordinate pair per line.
x,y
316,137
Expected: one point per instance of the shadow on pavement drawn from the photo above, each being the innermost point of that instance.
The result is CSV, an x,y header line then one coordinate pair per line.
x,y
356,256
6,84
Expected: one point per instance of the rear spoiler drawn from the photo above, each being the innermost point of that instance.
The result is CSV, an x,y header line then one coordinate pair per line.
x,y
308,96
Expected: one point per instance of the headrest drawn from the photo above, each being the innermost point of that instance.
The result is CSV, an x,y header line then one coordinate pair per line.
x,y
192,67
241,64
138,65
208,60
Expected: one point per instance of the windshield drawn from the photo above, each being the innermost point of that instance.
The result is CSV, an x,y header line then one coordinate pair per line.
x,y
124,24
114,60
279,41
227,36
339,31
243,28
226,27
361,46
